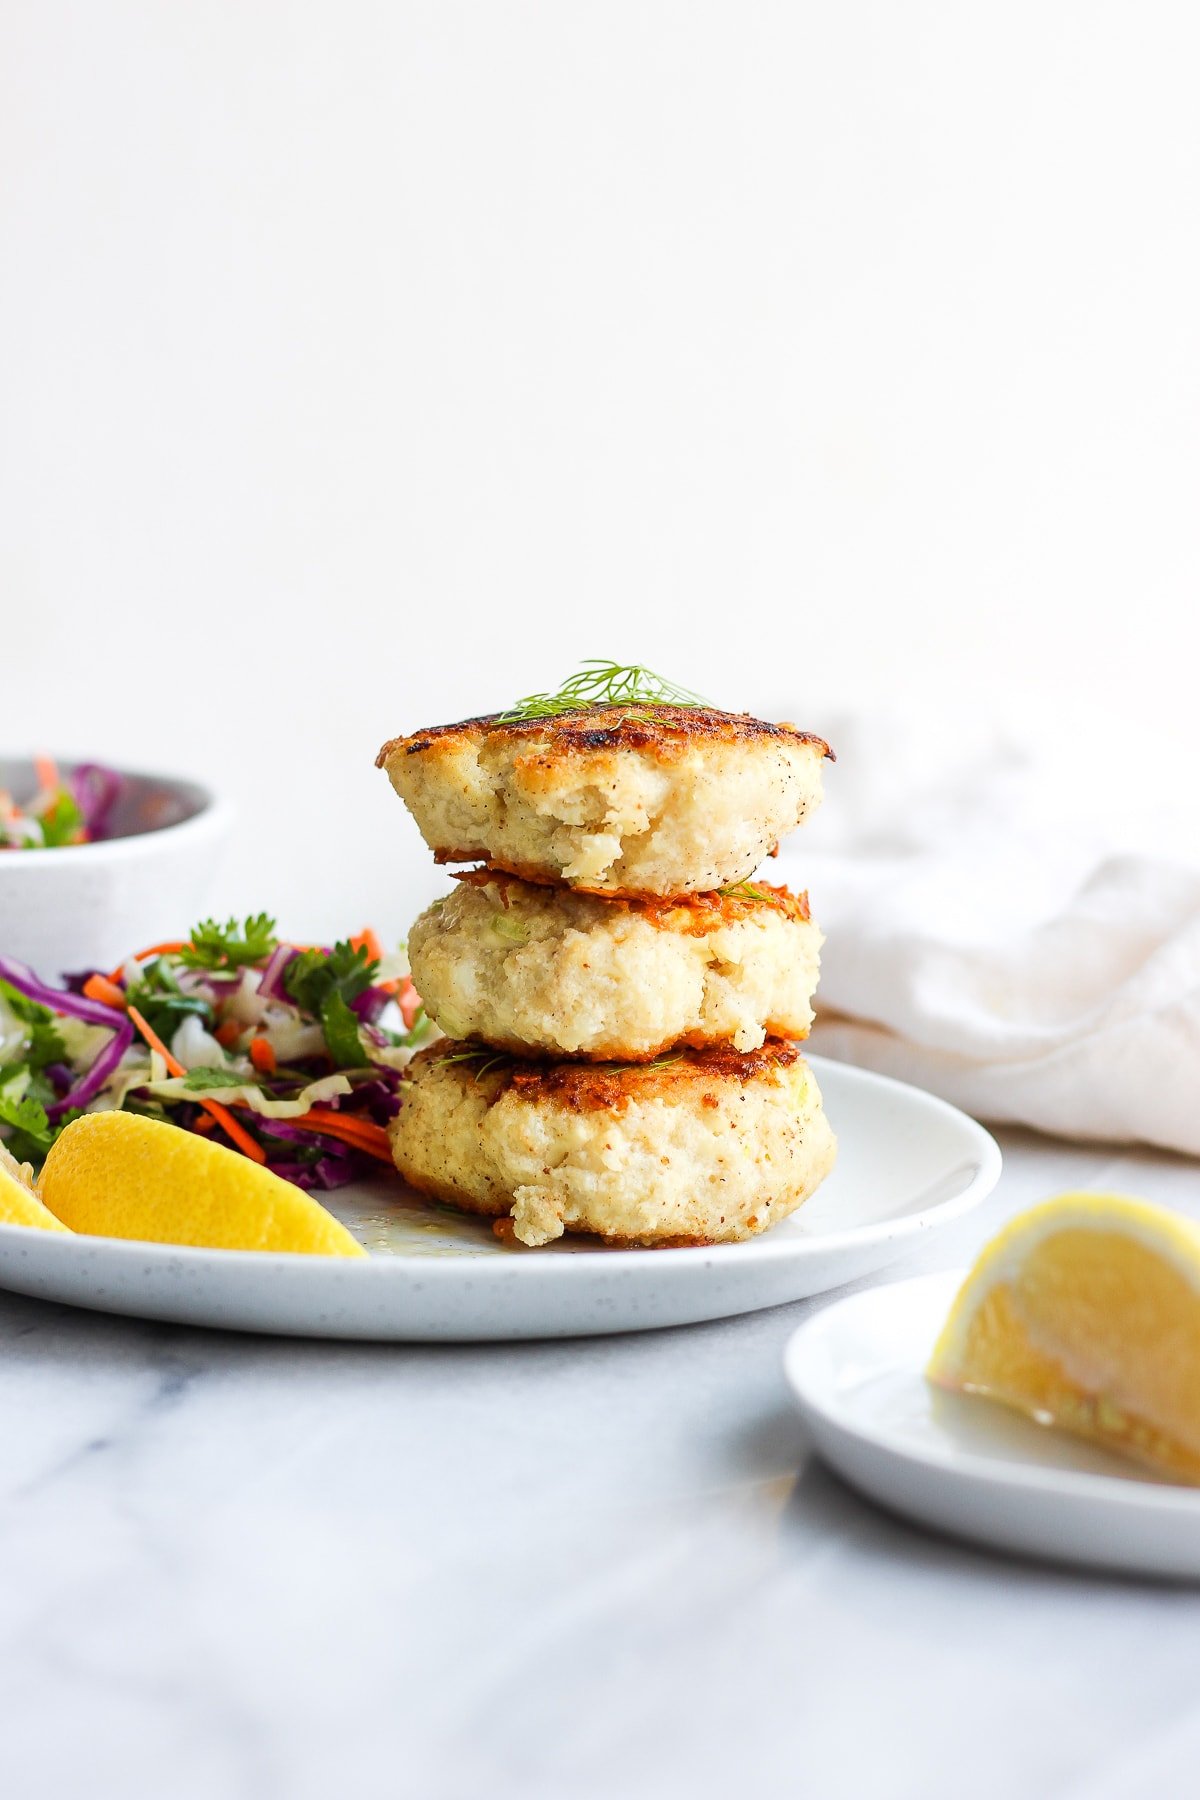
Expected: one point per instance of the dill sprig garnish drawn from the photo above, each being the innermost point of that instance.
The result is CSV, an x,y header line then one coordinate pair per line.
x,y
745,890
621,1070
484,1058
475,1053
659,1062
599,682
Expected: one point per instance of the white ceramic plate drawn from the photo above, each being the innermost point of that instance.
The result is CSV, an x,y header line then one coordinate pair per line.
x,y
970,1467
907,1164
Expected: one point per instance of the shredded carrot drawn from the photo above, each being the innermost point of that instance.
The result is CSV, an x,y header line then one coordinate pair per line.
x,y
354,1121
145,955
236,1132
221,1114
262,1055
367,940
360,1134
205,1126
227,1033
155,1042
49,779
324,1116
409,1002
348,1138
99,987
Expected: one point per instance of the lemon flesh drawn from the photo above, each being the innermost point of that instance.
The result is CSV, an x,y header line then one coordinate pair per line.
x,y
116,1174
1085,1314
19,1204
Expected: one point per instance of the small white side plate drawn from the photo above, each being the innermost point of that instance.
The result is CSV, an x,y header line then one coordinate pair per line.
x,y
907,1165
970,1467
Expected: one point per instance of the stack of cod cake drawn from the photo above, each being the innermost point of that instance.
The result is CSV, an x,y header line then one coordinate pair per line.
x,y
623,1005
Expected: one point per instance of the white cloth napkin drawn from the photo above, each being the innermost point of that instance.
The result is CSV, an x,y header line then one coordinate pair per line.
x,y
1024,970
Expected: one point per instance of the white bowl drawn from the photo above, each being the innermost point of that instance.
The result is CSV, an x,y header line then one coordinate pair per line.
x,y
85,906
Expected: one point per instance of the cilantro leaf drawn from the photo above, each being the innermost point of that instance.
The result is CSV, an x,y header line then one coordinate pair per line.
x,y
162,1002
19,1081
340,1025
32,1132
62,821
25,1089
315,974
230,946
324,982
46,1046
30,1012
199,1079
44,1042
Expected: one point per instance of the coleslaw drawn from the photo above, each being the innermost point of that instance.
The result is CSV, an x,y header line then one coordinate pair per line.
x,y
292,1054
75,809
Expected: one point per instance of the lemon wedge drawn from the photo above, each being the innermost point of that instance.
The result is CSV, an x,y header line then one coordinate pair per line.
x,y
117,1174
1085,1314
19,1204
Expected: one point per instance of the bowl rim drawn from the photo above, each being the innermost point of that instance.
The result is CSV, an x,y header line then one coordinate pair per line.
x,y
213,814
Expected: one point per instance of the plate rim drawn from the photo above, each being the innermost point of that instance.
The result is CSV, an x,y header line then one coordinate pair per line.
x,y
968,1467
667,1262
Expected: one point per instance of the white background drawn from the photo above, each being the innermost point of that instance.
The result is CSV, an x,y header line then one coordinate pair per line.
x,y
368,364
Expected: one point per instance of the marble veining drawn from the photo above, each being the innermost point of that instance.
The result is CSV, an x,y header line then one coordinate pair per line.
x,y
235,1568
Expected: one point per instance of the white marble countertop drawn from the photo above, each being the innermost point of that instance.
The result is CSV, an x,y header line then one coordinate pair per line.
x,y
249,1569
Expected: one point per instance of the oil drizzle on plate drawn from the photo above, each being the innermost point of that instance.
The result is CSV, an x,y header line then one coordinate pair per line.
x,y
388,1219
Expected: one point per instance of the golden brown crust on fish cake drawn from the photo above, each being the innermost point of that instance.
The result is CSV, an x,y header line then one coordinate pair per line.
x,y
695,914
677,1076
584,1087
707,1147
664,730
548,972
610,800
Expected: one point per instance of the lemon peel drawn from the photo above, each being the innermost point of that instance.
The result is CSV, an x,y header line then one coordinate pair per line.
x,y
119,1174
1084,1314
19,1202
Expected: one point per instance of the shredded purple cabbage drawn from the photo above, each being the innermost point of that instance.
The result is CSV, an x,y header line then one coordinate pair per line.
x,y
96,791
77,980
74,1006
332,1171
370,1003
309,1159
89,1085
334,1167
380,1098
270,982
